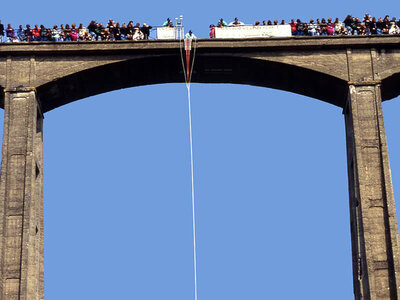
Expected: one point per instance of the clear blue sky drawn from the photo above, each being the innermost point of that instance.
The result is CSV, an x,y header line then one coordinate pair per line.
x,y
270,175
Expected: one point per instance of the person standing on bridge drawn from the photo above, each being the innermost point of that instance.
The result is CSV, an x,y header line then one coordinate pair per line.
x,y
323,27
338,26
99,31
236,23
380,26
74,33
28,33
116,32
1,32
212,31
82,33
36,33
130,30
56,34
67,33
222,23
300,27
293,27
10,34
43,33
92,29
137,35
21,33
190,35
168,23
355,26
330,27
348,21
393,28
312,28
124,32
146,30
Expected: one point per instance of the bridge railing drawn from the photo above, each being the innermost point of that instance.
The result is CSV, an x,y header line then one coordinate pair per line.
x,y
253,31
233,32
169,33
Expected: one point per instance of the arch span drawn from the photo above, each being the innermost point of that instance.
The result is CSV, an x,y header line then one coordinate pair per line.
x,y
215,69
391,87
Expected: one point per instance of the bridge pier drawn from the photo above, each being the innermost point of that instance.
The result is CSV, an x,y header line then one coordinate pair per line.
x,y
21,198
374,231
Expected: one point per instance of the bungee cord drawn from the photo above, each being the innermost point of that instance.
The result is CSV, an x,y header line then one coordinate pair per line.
x,y
187,72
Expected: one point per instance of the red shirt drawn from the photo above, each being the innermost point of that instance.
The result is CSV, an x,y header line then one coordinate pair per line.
x,y
36,32
293,26
212,32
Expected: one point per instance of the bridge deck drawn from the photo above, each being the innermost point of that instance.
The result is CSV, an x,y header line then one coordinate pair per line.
x,y
239,44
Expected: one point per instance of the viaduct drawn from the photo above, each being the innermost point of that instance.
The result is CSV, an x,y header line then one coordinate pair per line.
x,y
356,73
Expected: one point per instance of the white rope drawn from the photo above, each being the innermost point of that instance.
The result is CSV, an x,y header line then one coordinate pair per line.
x,y
193,203
187,81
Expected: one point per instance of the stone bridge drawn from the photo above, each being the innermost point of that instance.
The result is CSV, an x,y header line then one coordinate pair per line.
x,y
356,73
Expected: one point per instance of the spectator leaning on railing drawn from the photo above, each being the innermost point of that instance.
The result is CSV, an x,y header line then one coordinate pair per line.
x,y
114,31
312,28
21,34
301,28
235,23
330,27
95,31
1,32
10,34
222,23
212,31
293,27
56,33
168,23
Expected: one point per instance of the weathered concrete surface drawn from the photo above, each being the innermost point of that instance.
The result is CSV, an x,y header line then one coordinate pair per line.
x,y
21,205
354,72
375,241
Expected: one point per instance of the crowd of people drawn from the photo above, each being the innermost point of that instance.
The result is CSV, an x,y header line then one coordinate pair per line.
x,y
94,31
349,26
113,31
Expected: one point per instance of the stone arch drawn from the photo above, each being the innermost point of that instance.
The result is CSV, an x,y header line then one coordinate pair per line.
x,y
215,69
390,86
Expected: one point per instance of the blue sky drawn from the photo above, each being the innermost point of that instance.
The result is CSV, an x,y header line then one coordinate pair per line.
x,y
270,176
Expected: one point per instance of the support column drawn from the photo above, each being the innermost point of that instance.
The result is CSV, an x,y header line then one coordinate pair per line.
x,y
374,231
21,198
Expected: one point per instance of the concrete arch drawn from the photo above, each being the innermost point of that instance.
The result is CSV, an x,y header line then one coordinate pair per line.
x,y
390,86
215,69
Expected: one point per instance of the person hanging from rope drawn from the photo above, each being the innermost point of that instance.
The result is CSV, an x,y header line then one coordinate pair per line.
x,y
190,35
